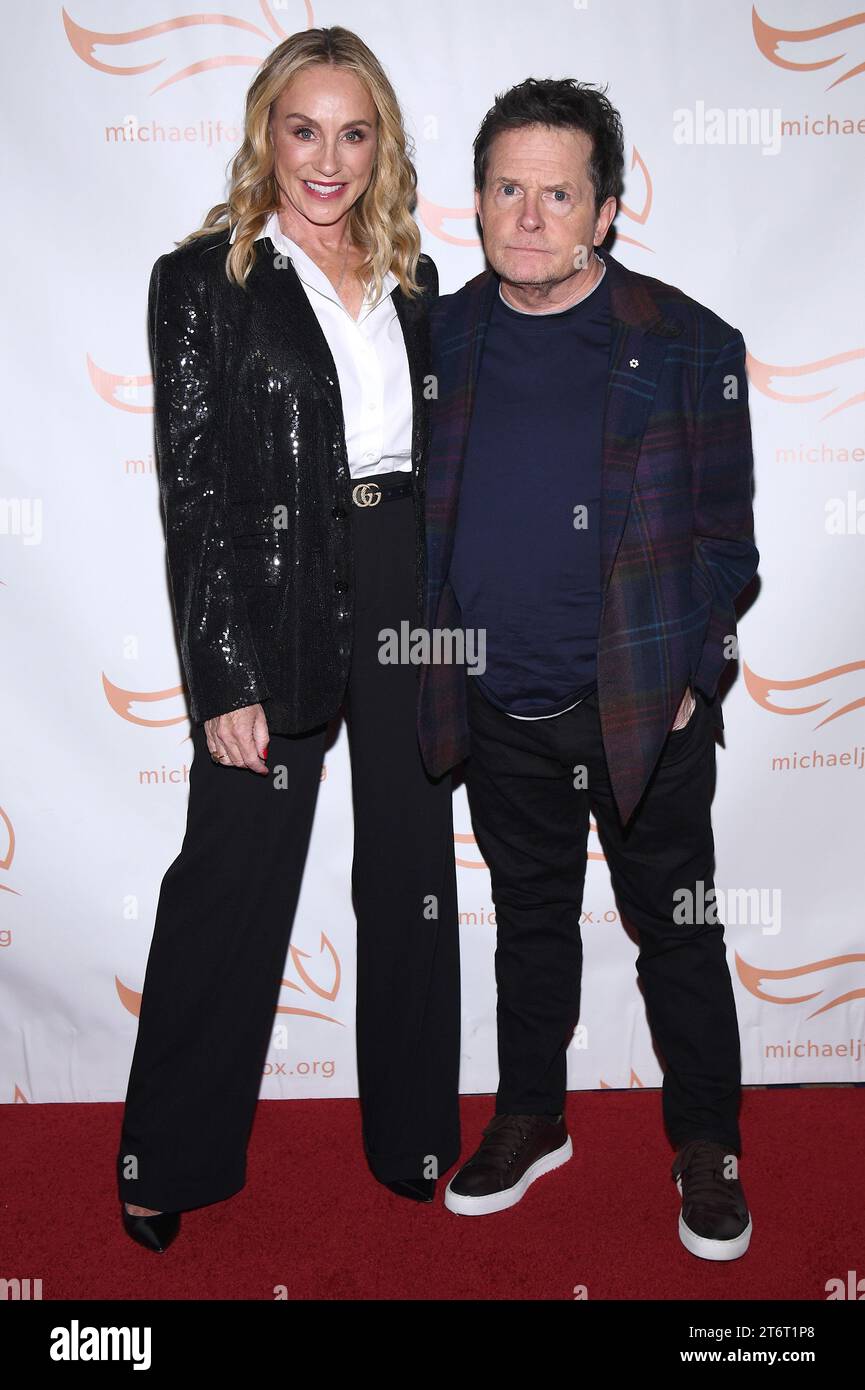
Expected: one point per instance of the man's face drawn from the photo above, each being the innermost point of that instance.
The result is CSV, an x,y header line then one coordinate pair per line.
x,y
537,208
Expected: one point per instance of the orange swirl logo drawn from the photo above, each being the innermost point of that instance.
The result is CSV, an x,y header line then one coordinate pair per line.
x,y
753,976
297,958
761,687
121,701
7,849
119,391
762,374
83,41
768,40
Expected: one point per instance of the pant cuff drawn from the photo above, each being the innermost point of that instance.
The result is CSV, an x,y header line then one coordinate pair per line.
x,y
183,1196
411,1165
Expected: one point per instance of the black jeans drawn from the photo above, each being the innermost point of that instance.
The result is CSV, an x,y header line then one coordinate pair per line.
x,y
225,913
531,823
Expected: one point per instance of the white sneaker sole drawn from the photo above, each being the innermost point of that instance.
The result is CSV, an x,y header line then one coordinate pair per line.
x,y
500,1201
707,1249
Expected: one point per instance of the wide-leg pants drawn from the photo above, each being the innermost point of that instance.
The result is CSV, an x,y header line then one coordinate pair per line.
x,y
224,918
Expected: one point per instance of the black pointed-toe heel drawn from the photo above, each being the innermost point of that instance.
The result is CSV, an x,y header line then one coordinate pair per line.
x,y
416,1189
153,1232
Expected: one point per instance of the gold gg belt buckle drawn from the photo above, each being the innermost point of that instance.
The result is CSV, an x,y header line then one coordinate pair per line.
x,y
366,494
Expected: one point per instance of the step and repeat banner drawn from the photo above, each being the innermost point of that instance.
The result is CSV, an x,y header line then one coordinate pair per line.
x,y
745,130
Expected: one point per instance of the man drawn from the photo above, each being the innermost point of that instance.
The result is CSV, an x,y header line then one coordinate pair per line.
x,y
589,512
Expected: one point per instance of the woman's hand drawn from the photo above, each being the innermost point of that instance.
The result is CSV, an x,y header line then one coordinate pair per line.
x,y
239,738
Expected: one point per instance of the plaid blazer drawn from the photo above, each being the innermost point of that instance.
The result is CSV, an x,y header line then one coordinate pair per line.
x,y
676,516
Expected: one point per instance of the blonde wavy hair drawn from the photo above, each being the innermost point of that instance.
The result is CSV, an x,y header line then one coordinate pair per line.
x,y
380,221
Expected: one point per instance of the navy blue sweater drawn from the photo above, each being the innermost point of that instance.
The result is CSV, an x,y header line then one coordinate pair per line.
x,y
521,569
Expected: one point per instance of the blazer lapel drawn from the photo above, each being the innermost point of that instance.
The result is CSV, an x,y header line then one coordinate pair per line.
x,y
480,292
480,305
283,303
415,352
638,348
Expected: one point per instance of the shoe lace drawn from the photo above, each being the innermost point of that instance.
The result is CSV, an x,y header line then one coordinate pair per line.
x,y
506,1135
700,1165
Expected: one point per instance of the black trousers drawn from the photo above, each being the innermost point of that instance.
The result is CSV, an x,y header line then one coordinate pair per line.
x,y
225,913
531,823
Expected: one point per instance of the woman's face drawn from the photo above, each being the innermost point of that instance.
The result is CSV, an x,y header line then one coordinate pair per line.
x,y
323,127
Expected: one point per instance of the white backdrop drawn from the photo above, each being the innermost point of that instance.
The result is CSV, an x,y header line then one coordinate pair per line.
x,y
120,121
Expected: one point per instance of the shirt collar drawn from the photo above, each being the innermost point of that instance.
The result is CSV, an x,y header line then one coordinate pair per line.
x,y
551,312
307,270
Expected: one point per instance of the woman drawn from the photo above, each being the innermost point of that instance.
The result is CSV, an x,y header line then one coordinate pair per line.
x,y
290,350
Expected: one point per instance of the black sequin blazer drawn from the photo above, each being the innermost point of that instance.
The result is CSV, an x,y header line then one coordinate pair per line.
x,y
254,480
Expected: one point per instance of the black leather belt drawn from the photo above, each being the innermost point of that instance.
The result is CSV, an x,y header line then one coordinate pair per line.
x,y
369,492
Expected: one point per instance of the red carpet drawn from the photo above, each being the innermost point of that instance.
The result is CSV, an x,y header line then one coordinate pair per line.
x,y
312,1218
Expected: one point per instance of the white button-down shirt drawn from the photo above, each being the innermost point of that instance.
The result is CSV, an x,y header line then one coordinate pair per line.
x,y
371,364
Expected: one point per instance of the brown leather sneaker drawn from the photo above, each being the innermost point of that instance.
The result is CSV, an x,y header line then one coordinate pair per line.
x,y
714,1222
515,1150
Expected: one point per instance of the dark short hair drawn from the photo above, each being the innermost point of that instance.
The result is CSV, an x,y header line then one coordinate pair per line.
x,y
565,104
